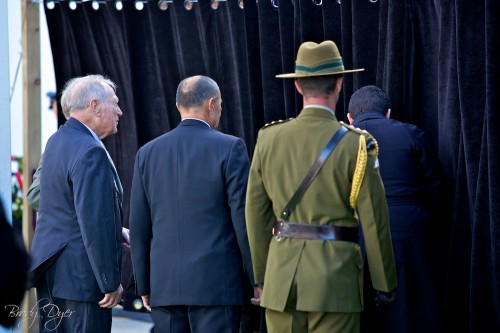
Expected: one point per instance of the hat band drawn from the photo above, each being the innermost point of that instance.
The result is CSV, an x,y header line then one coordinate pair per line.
x,y
335,64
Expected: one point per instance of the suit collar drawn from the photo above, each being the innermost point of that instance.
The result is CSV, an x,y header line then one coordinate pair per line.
x,y
368,115
76,124
194,122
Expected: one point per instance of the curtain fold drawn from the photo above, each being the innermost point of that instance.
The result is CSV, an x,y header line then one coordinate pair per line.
x,y
437,60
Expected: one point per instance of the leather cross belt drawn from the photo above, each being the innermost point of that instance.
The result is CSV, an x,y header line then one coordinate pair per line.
x,y
315,231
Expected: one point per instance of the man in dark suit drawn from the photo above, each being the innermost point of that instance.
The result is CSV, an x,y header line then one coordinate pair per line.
x,y
311,269
76,248
187,225
412,179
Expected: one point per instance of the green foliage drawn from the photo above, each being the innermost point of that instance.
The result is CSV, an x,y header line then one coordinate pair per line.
x,y
17,192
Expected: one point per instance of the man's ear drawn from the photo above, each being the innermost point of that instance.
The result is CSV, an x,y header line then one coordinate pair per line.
x,y
351,120
93,106
299,88
338,85
388,114
210,105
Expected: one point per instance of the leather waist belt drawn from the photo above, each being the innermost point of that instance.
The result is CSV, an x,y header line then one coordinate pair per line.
x,y
315,231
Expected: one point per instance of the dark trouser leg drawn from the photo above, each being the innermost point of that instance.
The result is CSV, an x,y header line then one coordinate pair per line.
x,y
57,315
215,319
170,319
82,316
44,303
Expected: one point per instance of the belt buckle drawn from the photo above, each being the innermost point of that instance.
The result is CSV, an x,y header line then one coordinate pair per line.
x,y
277,234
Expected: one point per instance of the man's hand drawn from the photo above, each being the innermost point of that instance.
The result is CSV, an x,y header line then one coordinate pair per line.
x,y
110,300
384,300
257,293
126,237
145,301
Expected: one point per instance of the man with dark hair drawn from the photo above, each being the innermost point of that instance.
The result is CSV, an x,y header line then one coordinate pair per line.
x,y
413,185
189,243
310,270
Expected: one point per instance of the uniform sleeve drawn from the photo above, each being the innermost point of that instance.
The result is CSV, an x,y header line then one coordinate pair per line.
x,y
33,195
94,199
259,217
236,182
140,231
374,218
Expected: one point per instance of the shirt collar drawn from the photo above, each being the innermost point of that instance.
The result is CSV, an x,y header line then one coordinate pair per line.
x,y
91,132
318,106
198,120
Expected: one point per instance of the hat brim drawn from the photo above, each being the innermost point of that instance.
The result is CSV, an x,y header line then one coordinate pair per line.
x,y
295,75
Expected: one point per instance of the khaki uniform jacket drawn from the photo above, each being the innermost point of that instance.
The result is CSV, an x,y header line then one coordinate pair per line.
x,y
327,274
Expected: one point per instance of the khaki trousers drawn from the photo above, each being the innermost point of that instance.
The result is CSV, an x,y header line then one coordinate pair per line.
x,y
294,321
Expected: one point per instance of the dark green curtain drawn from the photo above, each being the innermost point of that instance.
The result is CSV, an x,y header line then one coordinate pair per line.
x,y
436,59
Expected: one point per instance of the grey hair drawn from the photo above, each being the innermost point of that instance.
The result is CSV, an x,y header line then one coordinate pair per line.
x,y
79,91
195,90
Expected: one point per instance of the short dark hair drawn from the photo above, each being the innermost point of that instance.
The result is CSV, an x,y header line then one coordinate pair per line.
x,y
369,98
318,85
196,90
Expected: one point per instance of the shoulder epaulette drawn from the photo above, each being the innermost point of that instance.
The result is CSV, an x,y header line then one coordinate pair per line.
x,y
366,143
354,129
370,142
276,122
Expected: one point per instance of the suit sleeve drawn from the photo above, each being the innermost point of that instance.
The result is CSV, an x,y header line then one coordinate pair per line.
x,y
260,218
432,173
236,182
140,231
374,217
94,199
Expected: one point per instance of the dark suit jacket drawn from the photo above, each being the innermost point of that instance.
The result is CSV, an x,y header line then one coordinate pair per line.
x,y
408,167
14,261
187,223
413,184
78,240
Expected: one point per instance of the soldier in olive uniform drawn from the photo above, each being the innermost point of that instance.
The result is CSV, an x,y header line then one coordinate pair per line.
x,y
310,271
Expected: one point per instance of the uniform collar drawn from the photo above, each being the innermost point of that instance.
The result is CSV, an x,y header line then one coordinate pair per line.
x,y
313,111
318,106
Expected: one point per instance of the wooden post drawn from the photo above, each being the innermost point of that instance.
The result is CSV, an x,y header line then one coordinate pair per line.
x,y
31,125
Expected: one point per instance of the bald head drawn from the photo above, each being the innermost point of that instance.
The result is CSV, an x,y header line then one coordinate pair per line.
x,y
199,97
194,91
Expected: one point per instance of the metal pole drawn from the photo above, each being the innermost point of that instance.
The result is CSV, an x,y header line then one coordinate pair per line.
x,y
5,174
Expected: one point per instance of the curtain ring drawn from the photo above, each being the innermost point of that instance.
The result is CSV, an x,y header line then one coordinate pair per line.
x,y
339,2
373,1
274,3
317,2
